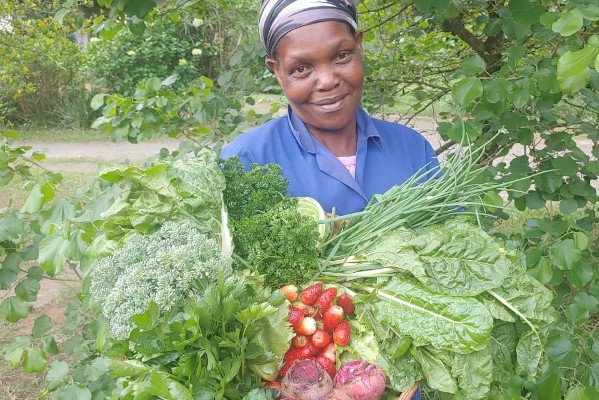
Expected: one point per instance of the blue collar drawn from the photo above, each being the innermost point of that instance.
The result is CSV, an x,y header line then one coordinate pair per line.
x,y
308,143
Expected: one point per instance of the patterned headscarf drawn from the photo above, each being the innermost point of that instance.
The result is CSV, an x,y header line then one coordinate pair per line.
x,y
279,17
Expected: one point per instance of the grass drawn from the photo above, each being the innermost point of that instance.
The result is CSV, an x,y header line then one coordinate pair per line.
x,y
59,135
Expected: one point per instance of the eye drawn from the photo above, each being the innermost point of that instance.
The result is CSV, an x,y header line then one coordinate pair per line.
x,y
300,71
344,56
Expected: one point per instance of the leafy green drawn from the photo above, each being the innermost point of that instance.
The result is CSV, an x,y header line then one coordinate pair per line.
x,y
280,243
229,327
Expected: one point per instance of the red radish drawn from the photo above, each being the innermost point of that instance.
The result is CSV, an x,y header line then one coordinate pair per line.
x,y
329,352
306,327
299,341
295,316
345,302
311,293
290,292
332,317
326,298
273,384
328,365
294,353
320,338
358,380
286,367
306,380
342,334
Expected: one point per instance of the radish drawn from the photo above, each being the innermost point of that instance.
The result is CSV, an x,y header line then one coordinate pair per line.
x,y
306,380
358,380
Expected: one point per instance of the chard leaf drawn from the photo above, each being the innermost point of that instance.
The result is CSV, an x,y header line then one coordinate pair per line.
x,y
474,374
503,347
457,258
436,373
457,324
529,353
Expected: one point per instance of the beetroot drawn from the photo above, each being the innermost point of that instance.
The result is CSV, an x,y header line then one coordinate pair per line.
x,y
358,380
306,380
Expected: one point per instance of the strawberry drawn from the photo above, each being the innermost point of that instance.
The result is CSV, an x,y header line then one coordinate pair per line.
x,y
306,309
327,365
295,316
321,338
273,384
294,353
341,334
325,299
299,341
329,352
290,292
332,317
311,293
306,327
346,303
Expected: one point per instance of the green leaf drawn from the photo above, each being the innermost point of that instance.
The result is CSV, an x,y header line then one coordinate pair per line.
x,y
129,368
34,202
13,309
35,360
149,318
559,349
550,388
14,356
41,326
568,206
565,254
27,289
436,373
11,228
581,240
528,354
97,101
578,393
473,65
459,324
96,369
568,23
525,11
495,90
60,14
573,72
73,392
153,84
576,314
57,374
9,270
466,91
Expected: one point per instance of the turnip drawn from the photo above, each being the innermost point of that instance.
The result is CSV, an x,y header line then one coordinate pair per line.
x,y
306,380
358,380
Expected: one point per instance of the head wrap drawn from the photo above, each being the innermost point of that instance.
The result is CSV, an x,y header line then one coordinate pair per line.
x,y
279,17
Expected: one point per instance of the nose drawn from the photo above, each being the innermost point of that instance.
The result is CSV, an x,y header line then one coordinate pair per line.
x,y
328,78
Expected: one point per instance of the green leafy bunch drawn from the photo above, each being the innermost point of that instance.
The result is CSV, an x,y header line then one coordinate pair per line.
x,y
269,233
231,334
158,268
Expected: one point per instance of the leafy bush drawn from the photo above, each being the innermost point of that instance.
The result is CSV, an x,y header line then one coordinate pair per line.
x,y
40,81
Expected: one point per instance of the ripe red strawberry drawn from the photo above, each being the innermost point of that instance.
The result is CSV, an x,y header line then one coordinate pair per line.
x,y
346,303
299,341
321,338
325,299
308,351
329,352
290,292
341,334
306,327
273,384
311,293
307,309
285,367
327,365
332,317
295,316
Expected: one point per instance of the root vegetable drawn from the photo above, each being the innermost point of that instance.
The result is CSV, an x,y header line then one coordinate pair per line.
x,y
306,380
358,380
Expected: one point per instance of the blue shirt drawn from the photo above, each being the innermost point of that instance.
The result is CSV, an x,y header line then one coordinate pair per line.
x,y
387,154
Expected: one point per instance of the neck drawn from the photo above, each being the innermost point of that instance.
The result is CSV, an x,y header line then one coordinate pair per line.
x,y
341,143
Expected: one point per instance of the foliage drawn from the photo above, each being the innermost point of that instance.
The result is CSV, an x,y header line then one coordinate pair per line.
x,y
40,81
229,326
166,48
158,268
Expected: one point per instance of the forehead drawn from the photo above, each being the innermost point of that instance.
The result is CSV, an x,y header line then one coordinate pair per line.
x,y
315,39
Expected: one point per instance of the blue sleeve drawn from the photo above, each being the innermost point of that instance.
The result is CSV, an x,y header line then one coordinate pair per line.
x,y
233,150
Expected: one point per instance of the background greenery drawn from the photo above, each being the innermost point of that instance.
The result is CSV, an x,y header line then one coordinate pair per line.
x,y
522,72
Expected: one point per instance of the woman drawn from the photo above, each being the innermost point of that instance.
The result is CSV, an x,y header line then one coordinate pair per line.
x,y
329,148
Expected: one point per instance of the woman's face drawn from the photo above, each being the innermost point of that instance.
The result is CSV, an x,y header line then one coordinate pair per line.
x,y
320,69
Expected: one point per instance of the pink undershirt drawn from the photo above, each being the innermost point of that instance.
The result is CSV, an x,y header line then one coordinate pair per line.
x,y
349,163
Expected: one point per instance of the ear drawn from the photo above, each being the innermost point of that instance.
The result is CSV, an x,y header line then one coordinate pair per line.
x,y
273,66
358,38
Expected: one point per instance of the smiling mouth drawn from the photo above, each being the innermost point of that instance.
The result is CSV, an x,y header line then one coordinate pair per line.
x,y
331,104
